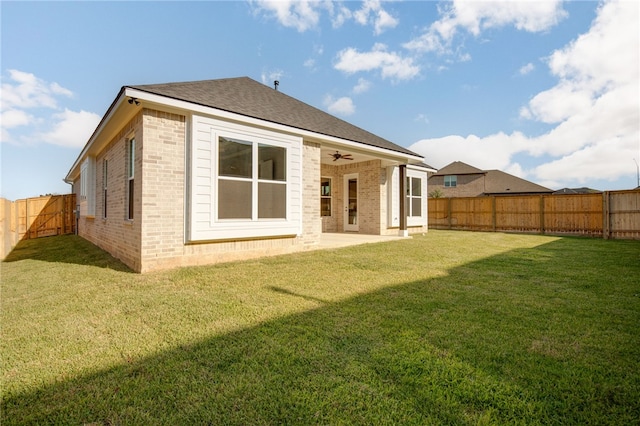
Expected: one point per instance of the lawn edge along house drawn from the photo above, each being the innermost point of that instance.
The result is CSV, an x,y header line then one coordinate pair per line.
x,y
209,171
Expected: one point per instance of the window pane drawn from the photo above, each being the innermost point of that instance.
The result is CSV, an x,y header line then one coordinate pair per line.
x,y
234,199
272,163
235,158
416,187
272,201
325,187
131,200
416,207
132,157
325,207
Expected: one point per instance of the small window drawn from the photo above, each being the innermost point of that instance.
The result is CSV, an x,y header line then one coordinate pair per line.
x,y
414,197
450,181
131,154
325,196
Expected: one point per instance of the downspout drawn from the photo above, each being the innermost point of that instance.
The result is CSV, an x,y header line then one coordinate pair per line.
x,y
403,205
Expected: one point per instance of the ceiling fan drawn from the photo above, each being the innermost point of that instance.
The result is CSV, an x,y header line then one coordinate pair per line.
x,y
338,156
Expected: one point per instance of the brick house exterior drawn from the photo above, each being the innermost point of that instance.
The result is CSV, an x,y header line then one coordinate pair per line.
x,y
459,179
158,184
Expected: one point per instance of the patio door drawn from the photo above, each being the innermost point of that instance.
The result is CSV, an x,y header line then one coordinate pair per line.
x,y
351,202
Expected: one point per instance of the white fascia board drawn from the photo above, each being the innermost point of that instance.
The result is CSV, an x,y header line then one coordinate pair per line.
x,y
421,168
201,109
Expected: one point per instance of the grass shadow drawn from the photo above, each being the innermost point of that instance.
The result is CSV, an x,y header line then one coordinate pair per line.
x,y
518,338
70,249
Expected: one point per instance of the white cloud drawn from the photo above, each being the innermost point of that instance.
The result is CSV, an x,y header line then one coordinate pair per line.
x,y
299,14
373,13
305,15
71,129
526,69
14,118
268,77
341,106
391,64
30,113
594,107
362,86
28,91
476,16
421,118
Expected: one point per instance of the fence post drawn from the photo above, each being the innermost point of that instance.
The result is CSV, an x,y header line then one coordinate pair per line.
x,y
542,214
606,213
449,211
494,222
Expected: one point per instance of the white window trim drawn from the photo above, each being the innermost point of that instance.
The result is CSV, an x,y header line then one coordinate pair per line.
x,y
88,187
202,221
393,196
422,219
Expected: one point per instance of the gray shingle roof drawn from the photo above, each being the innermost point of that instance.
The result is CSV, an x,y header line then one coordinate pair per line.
x,y
499,182
250,98
458,168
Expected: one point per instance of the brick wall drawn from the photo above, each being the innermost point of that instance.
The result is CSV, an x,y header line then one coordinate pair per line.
x,y
369,193
115,233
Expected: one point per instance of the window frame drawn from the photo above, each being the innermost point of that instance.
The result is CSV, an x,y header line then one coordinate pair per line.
x,y
105,180
450,181
254,179
410,197
130,177
328,197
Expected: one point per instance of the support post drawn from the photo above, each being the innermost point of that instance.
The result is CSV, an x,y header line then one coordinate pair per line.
x,y
403,201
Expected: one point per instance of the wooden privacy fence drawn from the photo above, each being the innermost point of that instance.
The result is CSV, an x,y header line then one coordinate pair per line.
x,y
611,214
35,218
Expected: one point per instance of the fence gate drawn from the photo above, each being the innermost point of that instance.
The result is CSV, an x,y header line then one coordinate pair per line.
x,y
45,216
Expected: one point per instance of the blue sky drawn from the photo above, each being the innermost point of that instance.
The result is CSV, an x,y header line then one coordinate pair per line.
x,y
545,90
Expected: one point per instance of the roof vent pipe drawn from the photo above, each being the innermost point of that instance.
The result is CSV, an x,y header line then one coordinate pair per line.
x,y
275,84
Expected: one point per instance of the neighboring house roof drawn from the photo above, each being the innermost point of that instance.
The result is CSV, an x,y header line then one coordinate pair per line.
x,y
495,181
498,182
458,168
250,98
582,190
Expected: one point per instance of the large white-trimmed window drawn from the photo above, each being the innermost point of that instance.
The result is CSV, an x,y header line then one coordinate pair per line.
x,y
450,181
251,180
325,196
131,166
245,182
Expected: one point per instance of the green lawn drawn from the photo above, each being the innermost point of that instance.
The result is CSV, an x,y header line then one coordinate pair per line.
x,y
445,328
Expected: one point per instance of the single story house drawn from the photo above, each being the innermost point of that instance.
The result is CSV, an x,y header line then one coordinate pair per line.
x,y
459,179
208,171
